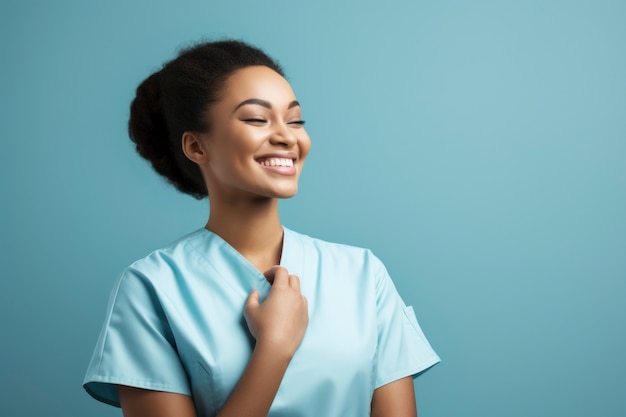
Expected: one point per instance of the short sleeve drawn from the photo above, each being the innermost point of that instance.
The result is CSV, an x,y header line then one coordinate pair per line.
x,y
136,346
402,348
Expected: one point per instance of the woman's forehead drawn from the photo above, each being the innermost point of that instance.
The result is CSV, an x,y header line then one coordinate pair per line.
x,y
257,82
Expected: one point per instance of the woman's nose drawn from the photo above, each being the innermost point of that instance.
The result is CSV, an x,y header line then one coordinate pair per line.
x,y
283,136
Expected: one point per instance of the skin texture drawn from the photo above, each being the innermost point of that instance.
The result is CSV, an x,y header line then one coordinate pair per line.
x,y
258,116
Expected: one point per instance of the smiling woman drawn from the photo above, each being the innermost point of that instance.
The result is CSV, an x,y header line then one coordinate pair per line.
x,y
245,317
257,144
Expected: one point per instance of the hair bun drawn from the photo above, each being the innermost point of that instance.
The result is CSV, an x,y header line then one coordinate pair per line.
x,y
147,127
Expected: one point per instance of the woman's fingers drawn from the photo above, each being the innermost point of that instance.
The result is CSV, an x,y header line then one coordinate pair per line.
x,y
253,300
294,282
279,275
273,272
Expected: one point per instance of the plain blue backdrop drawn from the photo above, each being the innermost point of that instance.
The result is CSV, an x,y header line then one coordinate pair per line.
x,y
478,147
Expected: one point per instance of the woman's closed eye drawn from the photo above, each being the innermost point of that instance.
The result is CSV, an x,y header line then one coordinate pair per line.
x,y
297,123
254,120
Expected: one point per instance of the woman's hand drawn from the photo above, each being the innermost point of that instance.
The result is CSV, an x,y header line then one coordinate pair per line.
x,y
279,322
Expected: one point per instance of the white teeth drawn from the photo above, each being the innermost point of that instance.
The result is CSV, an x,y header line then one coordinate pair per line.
x,y
277,162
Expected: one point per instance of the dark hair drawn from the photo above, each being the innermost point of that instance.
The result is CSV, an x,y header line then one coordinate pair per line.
x,y
176,98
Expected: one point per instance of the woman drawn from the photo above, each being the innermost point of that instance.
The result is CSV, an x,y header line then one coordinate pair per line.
x,y
245,317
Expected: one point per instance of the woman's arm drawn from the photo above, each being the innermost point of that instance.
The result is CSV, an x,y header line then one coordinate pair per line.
x,y
396,399
252,396
278,325
138,402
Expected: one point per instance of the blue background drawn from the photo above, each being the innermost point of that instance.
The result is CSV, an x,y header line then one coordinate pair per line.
x,y
478,147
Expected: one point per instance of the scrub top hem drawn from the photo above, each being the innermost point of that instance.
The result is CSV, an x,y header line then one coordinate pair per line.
x,y
104,388
413,372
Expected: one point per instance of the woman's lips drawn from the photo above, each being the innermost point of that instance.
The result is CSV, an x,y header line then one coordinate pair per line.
x,y
282,166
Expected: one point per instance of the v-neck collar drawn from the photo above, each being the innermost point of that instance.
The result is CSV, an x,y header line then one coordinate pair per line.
x,y
226,261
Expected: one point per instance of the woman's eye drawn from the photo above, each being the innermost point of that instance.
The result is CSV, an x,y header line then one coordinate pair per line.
x,y
253,120
297,122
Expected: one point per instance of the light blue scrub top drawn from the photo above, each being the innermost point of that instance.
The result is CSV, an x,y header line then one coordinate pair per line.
x,y
175,323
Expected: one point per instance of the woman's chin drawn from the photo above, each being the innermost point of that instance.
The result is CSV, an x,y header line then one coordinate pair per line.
x,y
285,194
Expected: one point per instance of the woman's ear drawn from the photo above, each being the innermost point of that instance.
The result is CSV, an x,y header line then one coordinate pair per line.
x,y
194,147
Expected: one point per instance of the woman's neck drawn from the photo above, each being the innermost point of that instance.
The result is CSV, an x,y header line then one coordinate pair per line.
x,y
253,229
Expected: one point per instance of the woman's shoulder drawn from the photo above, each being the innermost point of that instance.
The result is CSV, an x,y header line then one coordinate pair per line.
x,y
335,249
304,238
167,260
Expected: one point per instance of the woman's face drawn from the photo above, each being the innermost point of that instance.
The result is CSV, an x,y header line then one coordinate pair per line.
x,y
257,143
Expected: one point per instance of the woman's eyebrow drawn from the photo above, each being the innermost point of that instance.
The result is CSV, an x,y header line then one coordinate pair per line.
x,y
264,103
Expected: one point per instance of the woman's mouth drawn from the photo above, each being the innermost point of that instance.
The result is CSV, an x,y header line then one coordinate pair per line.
x,y
276,162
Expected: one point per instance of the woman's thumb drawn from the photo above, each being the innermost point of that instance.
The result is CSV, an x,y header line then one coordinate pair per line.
x,y
252,303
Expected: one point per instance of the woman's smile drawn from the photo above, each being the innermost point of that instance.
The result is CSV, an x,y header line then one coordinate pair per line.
x,y
257,143
283,164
